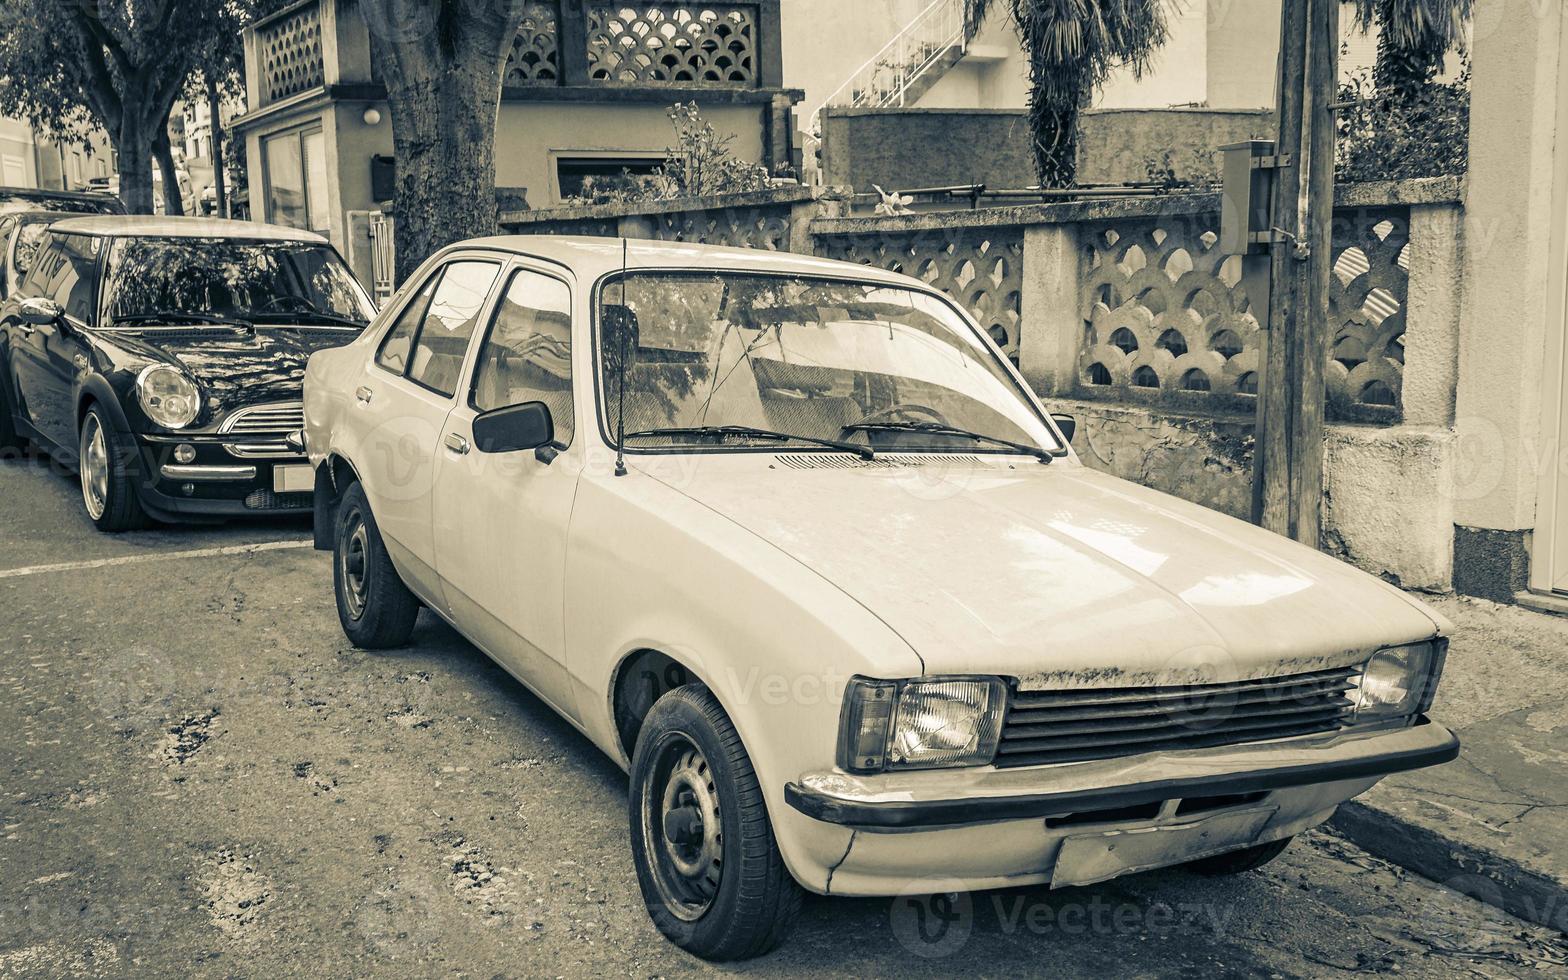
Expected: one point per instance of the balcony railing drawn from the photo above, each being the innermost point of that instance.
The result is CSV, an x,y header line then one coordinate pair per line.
x,y
626,44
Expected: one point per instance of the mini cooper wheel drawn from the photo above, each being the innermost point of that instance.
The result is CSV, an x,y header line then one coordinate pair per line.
x,y
375,607
104,464
706,859
1237,862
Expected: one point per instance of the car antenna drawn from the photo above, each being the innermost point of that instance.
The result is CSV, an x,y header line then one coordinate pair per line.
x,y
620,412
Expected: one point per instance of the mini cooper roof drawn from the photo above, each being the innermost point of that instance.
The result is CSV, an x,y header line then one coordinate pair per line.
x,y
157,226
591,258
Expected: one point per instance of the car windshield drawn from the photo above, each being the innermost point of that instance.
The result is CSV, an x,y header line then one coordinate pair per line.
x,y
230,279
732,358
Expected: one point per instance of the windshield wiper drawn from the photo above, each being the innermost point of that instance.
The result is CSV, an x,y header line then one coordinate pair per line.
x,y
315,316
165,315
749,432
938,429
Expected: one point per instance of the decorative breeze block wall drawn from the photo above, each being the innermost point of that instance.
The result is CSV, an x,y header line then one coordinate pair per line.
x,y
1167,322
533,59
672,43
291,54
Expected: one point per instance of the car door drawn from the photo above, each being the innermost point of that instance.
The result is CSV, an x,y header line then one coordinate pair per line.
x,y
501,519
46,357
401,403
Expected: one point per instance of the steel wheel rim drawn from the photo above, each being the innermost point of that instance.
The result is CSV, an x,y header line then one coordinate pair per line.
x,y
352,566
683,828
94,467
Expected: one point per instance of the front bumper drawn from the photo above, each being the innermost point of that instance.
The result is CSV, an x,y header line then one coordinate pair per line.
x,y
217,482
940,798
970,829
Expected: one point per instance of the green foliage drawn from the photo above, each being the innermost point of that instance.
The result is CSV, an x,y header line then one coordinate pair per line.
x,y
700,164
1425,134
1197,173
1413,37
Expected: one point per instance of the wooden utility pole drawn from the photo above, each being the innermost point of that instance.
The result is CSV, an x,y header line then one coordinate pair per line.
x,y
1288,463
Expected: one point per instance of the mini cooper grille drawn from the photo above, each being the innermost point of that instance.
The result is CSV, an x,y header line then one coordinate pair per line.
x,y
1045,727
278,417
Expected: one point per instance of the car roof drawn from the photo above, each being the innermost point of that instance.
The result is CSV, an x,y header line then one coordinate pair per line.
x,y
591,258
157,226
14,199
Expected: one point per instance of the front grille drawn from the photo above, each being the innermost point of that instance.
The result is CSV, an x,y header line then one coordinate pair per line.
x,y
271,419
1045,727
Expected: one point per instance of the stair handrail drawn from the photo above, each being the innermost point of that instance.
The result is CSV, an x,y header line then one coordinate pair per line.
x,y
948,14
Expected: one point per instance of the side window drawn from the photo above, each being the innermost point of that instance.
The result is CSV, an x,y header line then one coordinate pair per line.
x,y
394,349
442,340
527,356
66,271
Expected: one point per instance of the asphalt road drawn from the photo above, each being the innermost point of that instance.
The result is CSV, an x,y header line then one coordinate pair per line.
x,y
199,777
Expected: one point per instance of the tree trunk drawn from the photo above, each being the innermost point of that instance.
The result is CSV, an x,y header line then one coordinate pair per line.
x,y
1054,109
173,203
443,97
219,186
1054,139
133,143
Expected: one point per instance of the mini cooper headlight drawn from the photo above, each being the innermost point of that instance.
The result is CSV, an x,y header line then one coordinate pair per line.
x,y
1400,681
931,723
167,396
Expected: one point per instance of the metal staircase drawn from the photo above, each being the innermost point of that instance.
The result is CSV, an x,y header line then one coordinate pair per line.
x,y
910,63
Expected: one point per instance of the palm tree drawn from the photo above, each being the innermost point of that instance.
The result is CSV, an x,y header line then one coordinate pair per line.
x,y
1414,35
1072,46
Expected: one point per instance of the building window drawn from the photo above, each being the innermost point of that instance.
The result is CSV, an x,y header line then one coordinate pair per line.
x,y
579,176
297,180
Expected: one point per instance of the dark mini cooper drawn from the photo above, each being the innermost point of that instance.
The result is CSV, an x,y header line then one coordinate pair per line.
x,y
165,357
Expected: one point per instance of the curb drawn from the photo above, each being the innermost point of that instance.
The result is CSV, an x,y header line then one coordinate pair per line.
x,y
1482,874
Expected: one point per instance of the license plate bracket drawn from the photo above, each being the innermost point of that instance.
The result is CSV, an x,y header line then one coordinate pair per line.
x,y
1085,859
294,478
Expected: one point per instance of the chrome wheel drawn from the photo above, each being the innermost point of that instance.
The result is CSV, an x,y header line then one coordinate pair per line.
x,y
681,822
353,565
94,466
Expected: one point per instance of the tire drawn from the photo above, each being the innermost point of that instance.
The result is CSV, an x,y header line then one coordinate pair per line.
x,y
1239,862
11,442
737,899
375,607
103,462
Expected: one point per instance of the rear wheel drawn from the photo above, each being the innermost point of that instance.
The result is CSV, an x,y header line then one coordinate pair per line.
x,y
707,862
375,607
108,485
1237,862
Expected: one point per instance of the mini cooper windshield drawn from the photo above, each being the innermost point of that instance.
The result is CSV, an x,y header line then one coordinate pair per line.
x,y
203,281
736,359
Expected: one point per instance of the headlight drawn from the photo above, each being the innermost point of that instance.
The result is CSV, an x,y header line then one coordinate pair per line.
x,y
1400,681
168,397
920,724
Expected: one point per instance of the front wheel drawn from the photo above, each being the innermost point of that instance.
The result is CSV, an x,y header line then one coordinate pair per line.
x,y
376,609
707,862
108,483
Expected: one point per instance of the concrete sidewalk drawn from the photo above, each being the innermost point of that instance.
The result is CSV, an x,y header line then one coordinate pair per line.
x,y
1494,822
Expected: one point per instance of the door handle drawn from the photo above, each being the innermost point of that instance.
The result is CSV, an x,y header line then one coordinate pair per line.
x,y
363,394
457,443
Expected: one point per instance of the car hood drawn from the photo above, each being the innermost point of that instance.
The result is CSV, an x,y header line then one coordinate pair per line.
x,y
1060,575
237,365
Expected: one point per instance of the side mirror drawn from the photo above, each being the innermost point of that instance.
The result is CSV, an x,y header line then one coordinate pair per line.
x,y
514,428
1067,424
41,311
